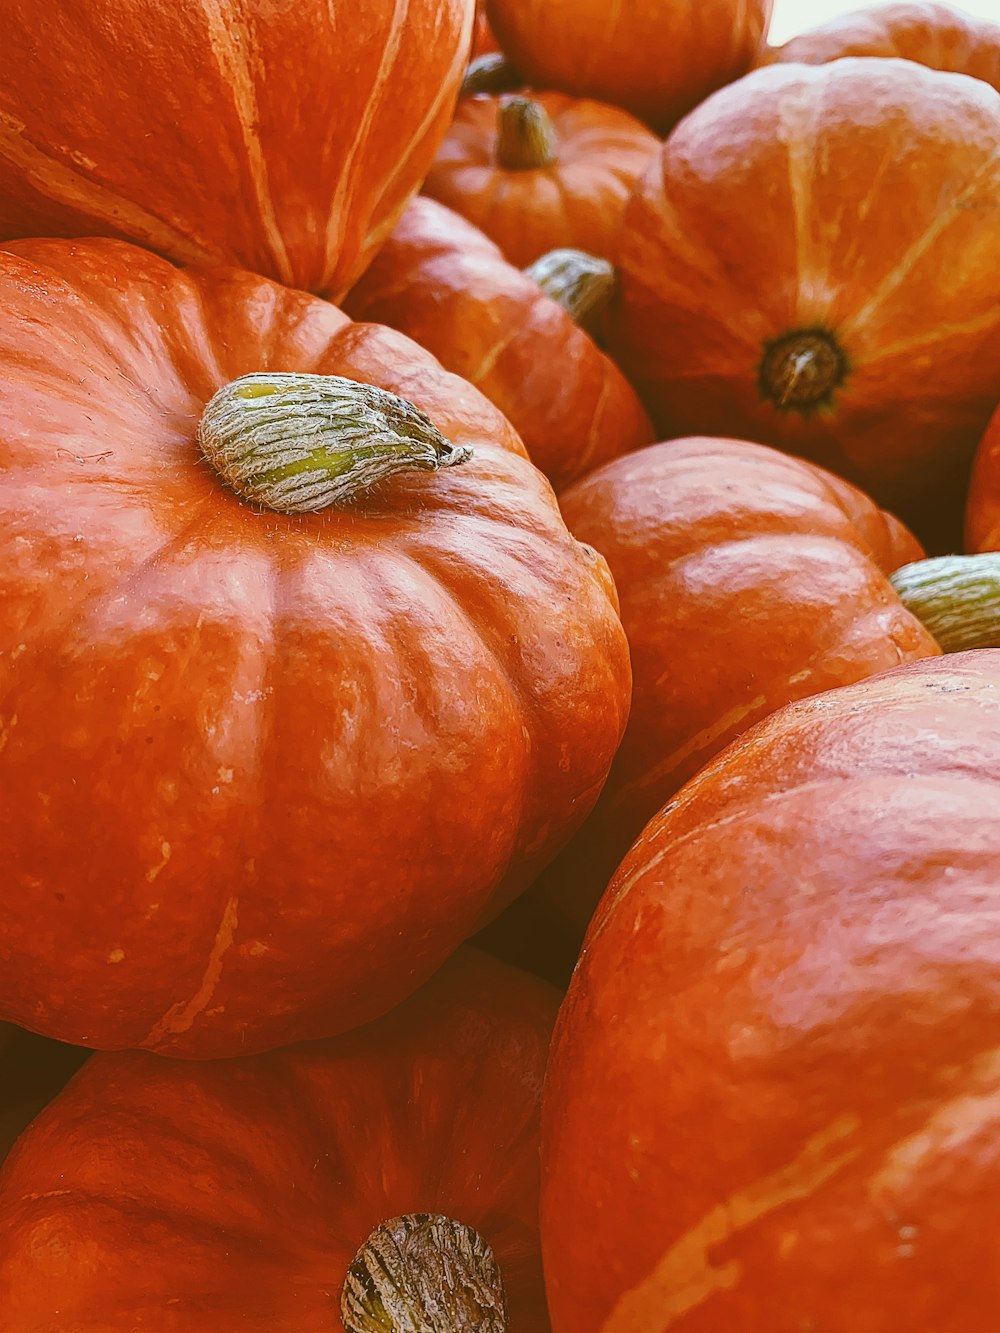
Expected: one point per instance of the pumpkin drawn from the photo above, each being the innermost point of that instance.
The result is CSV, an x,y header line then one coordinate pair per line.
x,y
747,579
284,138
810,262
657,59
541,172
983,513
483,40
931,34
211,1197
263,770
773,1099
447,286
32,1070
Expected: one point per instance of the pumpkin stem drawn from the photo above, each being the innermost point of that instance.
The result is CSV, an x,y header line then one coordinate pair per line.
x,y
298,443
800,370
526,137
581,283
957,597
492,73
423,1273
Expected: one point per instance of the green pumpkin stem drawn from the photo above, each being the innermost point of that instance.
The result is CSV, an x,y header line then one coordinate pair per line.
x,y
526,137
423,1273
957,598
581,283
492,73
300,443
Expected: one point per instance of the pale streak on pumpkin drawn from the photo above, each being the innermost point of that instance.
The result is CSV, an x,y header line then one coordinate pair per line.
x,y
971,1111
914,253
707,736
181,1017
235,75
685,1277
345,179
66,185
797,132
583,458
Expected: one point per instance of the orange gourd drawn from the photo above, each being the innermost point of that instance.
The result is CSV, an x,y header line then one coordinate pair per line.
x,y
773,1100
542,171
446,285
232,1196
811,262
935,35
285,138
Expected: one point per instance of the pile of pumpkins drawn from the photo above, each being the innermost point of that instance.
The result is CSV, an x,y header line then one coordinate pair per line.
x,y
521,477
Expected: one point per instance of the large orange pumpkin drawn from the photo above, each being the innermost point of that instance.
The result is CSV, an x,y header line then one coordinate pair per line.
x,y
938,36
282,137
446,285
747,579
982,524
231,1197
658,58
264,771
539,172
811,262
773,1101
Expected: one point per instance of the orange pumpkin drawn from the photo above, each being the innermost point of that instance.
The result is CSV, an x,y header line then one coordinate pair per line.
x,y
773,1099
931,34
983,512
811,262
747,579
231,1196
265,768
658,58
285,138
446,285
540,172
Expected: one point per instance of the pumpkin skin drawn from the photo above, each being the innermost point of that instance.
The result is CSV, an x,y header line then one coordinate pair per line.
x,y
727,249
306,755
983,513
578,201
229,1196
930,34
747,579
774,1092
446,285
272,136
658,60
483,40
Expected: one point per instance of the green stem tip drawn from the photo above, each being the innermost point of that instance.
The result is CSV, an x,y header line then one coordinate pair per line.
x,y
581,283
424,1273
526,137
956,597
300,443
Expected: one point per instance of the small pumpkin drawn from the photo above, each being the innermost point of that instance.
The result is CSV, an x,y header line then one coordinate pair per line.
x,y
983,513
935,35
747,579
811,262
285,138
446,285
265,768
541,172
656,59
234,1195
773,1099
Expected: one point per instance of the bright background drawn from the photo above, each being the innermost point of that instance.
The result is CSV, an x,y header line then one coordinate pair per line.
x,y
792,16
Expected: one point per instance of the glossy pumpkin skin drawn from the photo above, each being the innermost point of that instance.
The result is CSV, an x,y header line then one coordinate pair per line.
x,y
230,1197
982,524
747,579
773,1101
284,138
578,201
656,59
264,773
446,285
728,246
931,34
